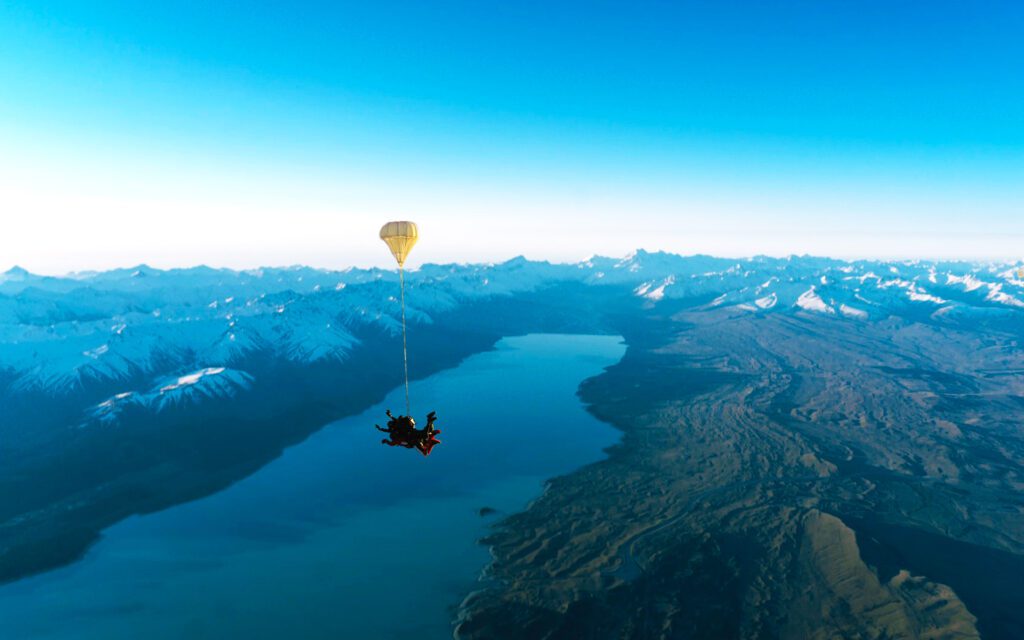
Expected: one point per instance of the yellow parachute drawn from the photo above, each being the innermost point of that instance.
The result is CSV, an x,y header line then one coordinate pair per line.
x,y
400,237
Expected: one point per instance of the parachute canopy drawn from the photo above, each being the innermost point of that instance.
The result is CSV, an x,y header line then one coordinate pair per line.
x,y
400,238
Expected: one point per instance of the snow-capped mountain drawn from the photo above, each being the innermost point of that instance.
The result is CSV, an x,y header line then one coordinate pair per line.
x,y
140,325
205,384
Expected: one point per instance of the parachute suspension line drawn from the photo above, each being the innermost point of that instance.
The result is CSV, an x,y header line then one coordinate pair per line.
x,y
405,349
401,236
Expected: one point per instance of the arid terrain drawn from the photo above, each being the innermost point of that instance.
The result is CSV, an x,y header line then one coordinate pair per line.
x,y
781,476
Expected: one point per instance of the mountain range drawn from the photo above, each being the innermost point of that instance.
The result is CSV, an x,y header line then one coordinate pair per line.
x,y
90,331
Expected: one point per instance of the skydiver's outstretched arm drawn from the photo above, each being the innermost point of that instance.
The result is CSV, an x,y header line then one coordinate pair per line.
x,y
380,428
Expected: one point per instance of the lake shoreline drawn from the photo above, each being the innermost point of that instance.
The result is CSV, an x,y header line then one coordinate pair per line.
x,y
323,516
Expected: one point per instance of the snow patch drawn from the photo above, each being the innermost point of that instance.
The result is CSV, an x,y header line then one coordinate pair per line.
x,y
767,302
97,352
659,292
867,276
852,312
920,296
192,378
811,301
764,285
995,294
970,282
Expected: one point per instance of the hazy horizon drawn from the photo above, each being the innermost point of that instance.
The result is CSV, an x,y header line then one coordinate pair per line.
x,y
414,265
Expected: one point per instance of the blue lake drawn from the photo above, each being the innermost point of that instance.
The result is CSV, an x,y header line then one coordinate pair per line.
x,y
340,537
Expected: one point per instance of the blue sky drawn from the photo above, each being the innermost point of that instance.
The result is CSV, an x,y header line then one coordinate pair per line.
x,y
240,134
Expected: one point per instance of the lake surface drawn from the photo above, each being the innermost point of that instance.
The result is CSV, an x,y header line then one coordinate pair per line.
x,y
341,537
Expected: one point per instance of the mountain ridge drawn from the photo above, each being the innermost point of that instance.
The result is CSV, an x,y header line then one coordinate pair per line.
x,y
107,325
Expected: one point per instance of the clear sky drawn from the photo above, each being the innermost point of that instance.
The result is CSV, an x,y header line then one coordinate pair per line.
x,y
241,133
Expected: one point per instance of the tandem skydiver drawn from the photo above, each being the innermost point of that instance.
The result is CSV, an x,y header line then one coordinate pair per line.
x,y
403,433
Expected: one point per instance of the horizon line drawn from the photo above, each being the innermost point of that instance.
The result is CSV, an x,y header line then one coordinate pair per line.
x,y
86,273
